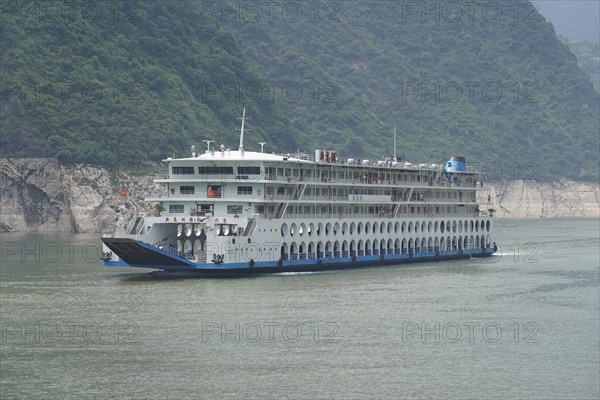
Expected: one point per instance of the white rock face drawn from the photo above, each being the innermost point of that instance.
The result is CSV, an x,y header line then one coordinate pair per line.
x,y
40,195
529,199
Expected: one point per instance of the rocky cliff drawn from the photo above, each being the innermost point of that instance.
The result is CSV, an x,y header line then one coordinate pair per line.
x,y
530,199
41,195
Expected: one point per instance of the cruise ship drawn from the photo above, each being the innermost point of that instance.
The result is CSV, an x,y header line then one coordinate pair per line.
x,y
243,212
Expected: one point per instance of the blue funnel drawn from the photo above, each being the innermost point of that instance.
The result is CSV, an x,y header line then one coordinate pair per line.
x,y
456,164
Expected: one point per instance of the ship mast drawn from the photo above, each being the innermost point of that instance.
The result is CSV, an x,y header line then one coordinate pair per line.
x,y
208,142
241,149
395,159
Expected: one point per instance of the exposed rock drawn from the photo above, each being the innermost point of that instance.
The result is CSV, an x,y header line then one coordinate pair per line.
x,y
41,195
530,199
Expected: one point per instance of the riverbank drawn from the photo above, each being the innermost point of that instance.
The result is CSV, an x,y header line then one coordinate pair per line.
x,y
41,195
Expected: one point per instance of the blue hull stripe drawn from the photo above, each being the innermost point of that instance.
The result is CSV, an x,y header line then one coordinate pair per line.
x,y
301,265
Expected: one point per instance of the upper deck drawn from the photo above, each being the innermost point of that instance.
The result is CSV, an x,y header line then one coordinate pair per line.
x,y
243,166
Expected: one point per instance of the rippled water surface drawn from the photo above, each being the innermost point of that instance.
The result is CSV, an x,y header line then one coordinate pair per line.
x,y
524,324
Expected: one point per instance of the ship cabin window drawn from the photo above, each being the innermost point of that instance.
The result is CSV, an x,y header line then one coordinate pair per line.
x,y
215,170
182,170
214,192
186,190
176,209
234,209
244,190
270,172
202,209
248,170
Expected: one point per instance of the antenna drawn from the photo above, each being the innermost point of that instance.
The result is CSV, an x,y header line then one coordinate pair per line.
x,y
262,146
395,143
208,142
242,129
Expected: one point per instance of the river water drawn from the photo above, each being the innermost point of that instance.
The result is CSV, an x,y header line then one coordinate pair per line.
x,y
524,324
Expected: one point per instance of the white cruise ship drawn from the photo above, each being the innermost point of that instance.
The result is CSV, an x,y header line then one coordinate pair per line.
x,y
235,211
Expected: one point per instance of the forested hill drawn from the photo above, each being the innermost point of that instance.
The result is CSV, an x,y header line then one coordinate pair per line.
x,y
130,82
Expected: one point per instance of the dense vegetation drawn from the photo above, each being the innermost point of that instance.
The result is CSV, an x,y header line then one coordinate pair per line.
x,y
588,58
147,79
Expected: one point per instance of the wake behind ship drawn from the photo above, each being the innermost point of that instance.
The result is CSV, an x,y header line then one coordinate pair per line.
x,y
235,211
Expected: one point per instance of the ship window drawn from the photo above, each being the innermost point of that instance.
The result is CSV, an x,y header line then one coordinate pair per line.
x,y
214,192
183,170
186,190
244,190
248,170
215,170
176,209
234,209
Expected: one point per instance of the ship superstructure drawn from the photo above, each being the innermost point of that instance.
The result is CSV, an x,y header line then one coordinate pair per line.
x,y
238,211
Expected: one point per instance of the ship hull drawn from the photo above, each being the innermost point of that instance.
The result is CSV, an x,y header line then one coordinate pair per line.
x,y
136,254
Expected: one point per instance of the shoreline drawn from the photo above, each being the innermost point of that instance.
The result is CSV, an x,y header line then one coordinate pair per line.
x,y
42,195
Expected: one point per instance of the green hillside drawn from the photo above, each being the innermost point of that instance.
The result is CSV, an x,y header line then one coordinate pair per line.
x,y
150,78
125,87
588,58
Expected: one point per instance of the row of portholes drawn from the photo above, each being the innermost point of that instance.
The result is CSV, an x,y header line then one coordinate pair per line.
x,y
384,227
335,249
